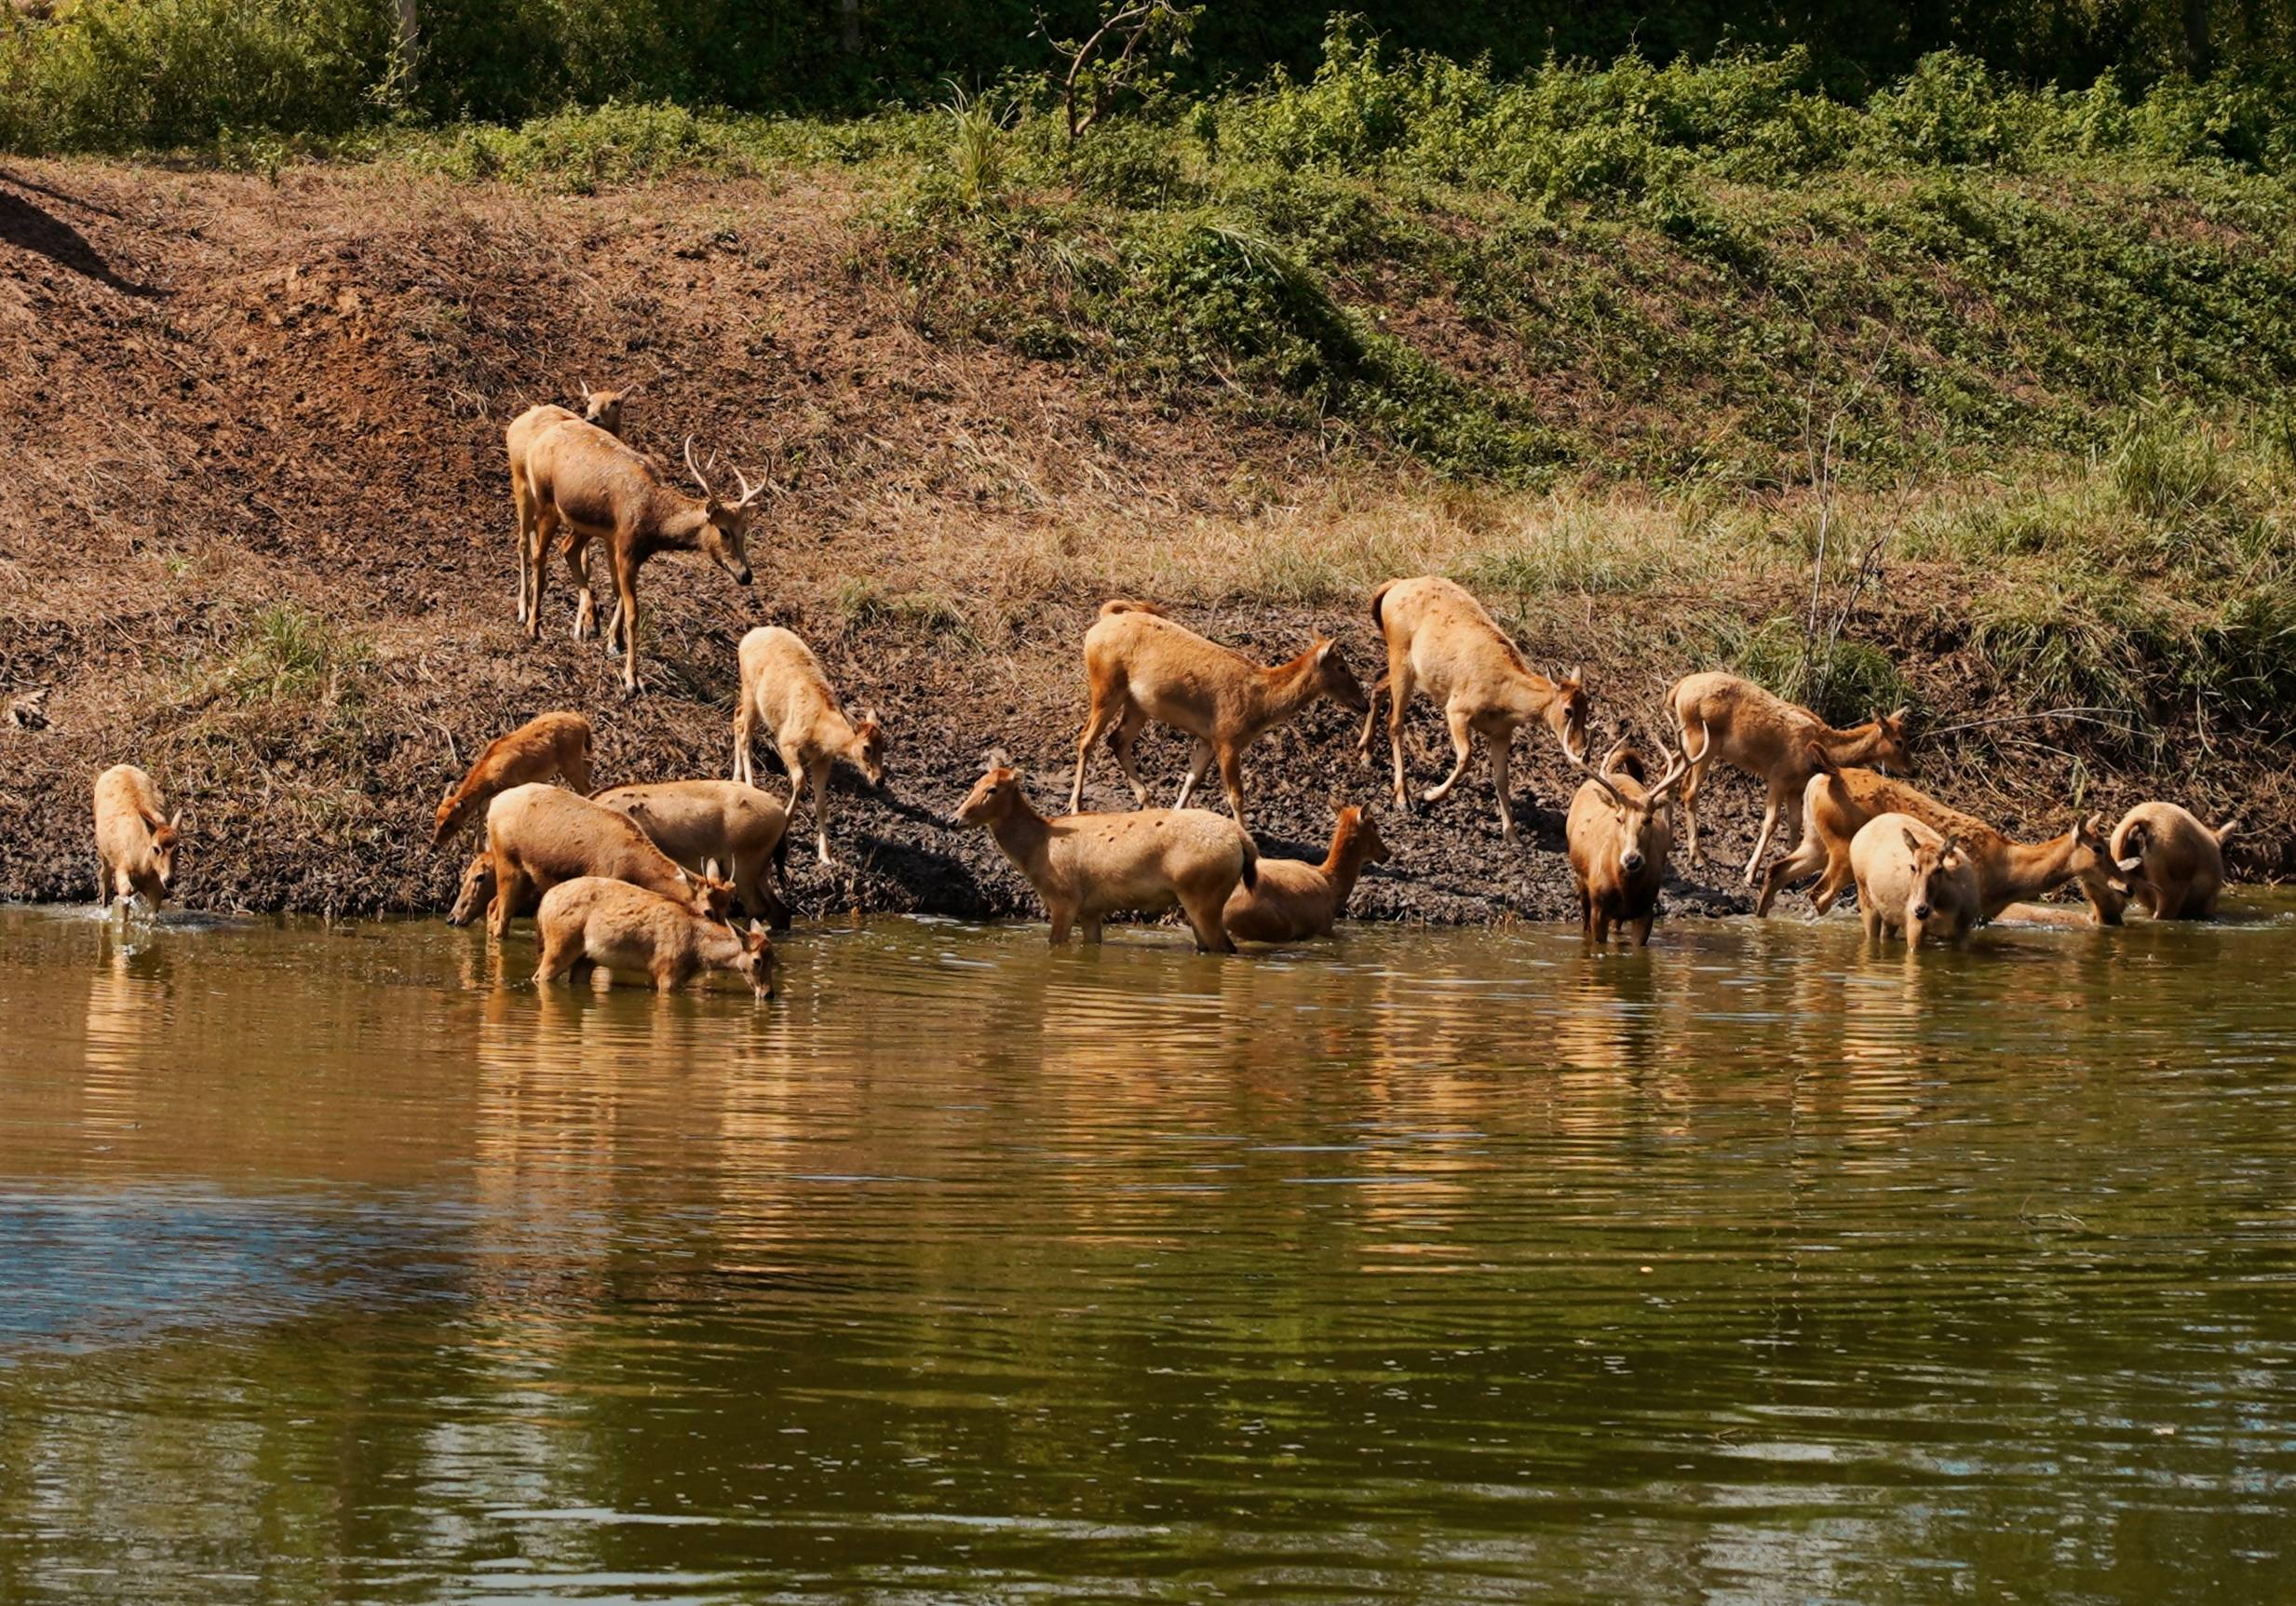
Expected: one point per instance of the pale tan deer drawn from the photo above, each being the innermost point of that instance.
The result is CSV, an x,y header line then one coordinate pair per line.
x,y
1914,882
552,744
1725,718
699,823
783,686
1442,639
1620,832
594,487
1836,807
1294,899
1087,867
136,838
1142,666
601,409
627,930
2174,864
537,836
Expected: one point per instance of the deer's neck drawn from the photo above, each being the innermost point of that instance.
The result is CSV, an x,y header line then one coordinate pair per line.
x,y
2027,869
1282,691
1343,864
677,528
717,946
1026,838
1855,744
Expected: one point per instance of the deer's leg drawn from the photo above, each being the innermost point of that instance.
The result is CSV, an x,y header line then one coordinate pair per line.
x,y
1100,716
1199,759
1063,917
1091,931
821,809
1370,723
1837,878
536,550
1398,699
1502,752
523,520
745,738
1873,918
1688,796
1231,780
1807,859
560,951
1463,741
509,888
1120,741
1641,929
1204,908
1585,911
1761,838
1602,923
626,609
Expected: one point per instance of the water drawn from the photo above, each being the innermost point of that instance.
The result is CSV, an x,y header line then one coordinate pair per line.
x,y
1430,1265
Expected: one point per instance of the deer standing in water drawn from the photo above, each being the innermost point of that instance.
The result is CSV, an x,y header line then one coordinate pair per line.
x,y
1621,834
2175,865
136,837
1912,881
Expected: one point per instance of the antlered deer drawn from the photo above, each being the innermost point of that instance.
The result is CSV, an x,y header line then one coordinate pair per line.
x,y
136,839
699,822
546,745
597,488
782,684
2175,865
1837,806
537,836
626,929
1778,743
1142,666
1621,832
1087,867
1912,881
1295,899
1441,639
601,409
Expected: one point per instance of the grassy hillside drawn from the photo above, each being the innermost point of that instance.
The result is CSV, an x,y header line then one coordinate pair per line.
x,y
1974,398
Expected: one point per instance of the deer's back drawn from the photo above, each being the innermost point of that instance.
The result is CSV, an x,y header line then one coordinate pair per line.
x,y
1748,725
553,836
1294,899
2177,845
1451,639
699,819
782,678
593,480
1150,847
615,918
121,794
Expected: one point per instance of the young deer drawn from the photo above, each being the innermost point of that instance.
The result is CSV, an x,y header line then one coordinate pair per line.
x,y
537,836
1142,666
1439,637
699,823
1836,807
1621,832
1087,867
626,929
782,685
2175,865
1912,881
601,409
595,487
1295,899
136,839
1778,743
546,745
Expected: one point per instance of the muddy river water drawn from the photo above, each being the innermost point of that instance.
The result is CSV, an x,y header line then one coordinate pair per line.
x,y
339,1264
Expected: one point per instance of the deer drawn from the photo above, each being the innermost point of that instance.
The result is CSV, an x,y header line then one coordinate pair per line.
x,y
621,928
1914,882
546,745
537,836
1087,867
1142,665
1620,832
698,822
1439,637
1294,899
597,488
136,838
2174,864
1772,740
1837,804
783,687
601,409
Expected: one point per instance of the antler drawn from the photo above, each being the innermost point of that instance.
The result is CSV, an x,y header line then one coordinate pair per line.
x,y
695,468
1678,766
1597,776
748,495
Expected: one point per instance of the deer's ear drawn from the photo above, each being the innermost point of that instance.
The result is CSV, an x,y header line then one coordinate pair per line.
x,y
1578,674
1902,713
710,870
1913,843
175,820
1323,651
2129,866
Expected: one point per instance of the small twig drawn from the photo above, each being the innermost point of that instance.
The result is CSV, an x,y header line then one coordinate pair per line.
x,y
2083,715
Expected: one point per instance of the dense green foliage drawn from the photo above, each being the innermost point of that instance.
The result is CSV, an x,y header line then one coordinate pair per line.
x,y
133,74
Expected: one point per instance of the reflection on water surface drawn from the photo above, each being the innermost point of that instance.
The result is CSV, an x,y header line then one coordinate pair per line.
x,y
1442,1265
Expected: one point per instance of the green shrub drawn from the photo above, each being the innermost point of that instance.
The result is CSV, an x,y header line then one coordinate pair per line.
x,y
1843,682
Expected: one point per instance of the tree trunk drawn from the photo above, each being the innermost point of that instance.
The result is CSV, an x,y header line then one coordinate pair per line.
x,y
409,38
849,19
2197,56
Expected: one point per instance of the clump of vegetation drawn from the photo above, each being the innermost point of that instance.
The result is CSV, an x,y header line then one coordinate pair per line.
x,y
283,654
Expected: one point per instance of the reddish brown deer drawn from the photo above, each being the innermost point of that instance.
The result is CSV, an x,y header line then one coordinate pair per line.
x,y
546,745
2175,865
1914,882
601,409
1620,831
593,486
1142,666
1442,639
626,929
136,839
1725,718
782,684
1836,807
1087,867
699,823
537,836
1294,899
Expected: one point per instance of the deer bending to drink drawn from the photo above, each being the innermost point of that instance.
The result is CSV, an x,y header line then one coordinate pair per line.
x,y
1778,743
1441,639
1142,666
589,483
537,836
136,838
1621,834
1087,867
626,929
548,744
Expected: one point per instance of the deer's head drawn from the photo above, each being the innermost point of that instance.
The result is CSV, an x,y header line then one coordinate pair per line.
x,y
708,894
1567,713
995,796
1641,817
477,891
1334,679
1893,747
603,408
725,526
756,962
167,834
868,746
1936,864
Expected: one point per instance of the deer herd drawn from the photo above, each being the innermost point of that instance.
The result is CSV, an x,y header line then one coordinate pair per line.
x,y
646,878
